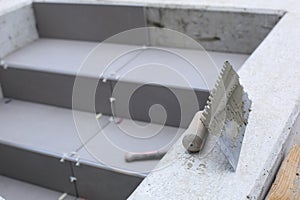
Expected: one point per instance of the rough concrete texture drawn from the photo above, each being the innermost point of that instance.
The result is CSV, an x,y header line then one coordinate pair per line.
x,y
271,78
214,30
11,5
17,28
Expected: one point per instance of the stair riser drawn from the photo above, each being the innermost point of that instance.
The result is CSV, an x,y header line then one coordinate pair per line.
x,y
47,171
56,89
36,168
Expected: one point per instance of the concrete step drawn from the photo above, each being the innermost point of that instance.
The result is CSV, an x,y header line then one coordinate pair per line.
x,y
38,133
40,144
44,72
11,189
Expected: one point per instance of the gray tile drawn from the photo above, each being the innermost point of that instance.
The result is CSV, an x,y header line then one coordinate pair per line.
x,y
53,89
109,147
45,72
36,168
12,189
97,183
67,56
40,73
163,105
51,55
176,67
46,128
86,22
176,79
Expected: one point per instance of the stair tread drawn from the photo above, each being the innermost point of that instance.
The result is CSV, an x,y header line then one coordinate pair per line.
x,y
42,127
57,55
116,139
11,189
66,57
52,130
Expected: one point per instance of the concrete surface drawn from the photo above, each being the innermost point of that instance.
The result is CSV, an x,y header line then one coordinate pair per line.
x,y
271,78
238,31
17,27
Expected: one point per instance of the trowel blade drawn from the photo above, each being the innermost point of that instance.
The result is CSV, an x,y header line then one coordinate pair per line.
x,y
232,136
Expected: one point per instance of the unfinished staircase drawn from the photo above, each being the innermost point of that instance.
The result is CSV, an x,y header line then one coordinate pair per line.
x,y
39,142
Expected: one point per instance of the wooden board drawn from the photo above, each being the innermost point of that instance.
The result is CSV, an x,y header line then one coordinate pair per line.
x,y
287,183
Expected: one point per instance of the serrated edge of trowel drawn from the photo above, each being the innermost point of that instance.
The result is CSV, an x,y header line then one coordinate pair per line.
x,y
224,72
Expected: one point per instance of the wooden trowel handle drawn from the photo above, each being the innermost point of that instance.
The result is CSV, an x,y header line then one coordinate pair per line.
x,y
151,155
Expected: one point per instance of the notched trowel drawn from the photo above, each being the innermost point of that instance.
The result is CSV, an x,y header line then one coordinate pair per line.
x,y
224,117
